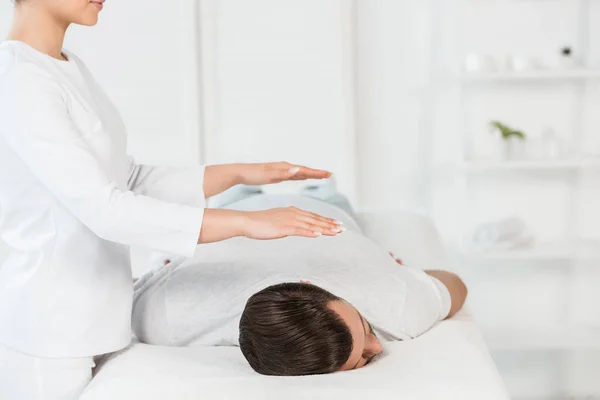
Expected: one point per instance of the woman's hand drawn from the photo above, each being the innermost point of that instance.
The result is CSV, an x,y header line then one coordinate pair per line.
x,y
277,223
291,221
218,178
268,173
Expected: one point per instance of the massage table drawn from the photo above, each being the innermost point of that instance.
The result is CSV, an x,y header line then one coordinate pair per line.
x,y
451,361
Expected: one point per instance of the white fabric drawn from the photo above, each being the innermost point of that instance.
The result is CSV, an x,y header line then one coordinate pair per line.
x,y
505,229
504,234
199,301
449,362
71,201
24,377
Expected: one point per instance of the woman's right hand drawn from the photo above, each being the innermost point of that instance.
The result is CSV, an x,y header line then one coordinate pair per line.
x,y
278,223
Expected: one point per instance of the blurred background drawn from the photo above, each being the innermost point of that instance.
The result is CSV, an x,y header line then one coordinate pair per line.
x,y
482,113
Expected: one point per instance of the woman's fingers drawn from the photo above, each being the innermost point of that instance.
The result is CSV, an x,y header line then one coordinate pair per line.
x,y
326,231
330,227
298,173
331,221
282,222
316,223
304,173
283,171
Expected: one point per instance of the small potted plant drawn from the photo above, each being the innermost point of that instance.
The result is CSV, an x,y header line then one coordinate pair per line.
x,y
512,140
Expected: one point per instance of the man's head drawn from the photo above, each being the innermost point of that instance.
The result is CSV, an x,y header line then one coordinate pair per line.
x,y
300,329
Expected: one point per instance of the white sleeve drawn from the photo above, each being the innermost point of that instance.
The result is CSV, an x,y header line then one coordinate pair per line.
x,y
181,185
38,128
426,302
443,297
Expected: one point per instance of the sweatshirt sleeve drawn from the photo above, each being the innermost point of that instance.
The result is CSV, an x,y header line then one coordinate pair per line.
x,y
182,185
37,126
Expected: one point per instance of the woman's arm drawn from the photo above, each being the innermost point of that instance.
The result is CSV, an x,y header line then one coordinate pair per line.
x,y
218,178
39,129
181,185
263,225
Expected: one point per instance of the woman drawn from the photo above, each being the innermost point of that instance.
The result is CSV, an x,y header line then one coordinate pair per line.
x,y
71,202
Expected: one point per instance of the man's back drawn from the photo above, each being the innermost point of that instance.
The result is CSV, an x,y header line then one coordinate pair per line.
x,y
199,301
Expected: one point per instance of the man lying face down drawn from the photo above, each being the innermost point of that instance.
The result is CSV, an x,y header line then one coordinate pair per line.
x,y
301,329
295,306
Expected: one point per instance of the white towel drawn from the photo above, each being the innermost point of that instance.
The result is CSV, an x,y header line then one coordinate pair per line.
x,y
506,234
499,231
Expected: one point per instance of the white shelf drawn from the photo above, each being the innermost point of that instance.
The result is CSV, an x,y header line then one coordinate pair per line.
x,y
567,250
565,164
559,397
524,340
535,75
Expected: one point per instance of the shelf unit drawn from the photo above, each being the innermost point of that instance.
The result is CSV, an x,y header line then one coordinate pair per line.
x,y
557,340
532,165
573,250
532,76
559,398
572,254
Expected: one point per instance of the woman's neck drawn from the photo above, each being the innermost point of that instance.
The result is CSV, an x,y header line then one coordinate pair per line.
x,y
40,29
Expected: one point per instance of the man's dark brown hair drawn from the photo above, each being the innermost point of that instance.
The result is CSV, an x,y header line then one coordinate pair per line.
x,y
288,330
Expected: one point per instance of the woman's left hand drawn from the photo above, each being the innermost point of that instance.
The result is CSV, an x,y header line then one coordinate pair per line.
x,y
268,173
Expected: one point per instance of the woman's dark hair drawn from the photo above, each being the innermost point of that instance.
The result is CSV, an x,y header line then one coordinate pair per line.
x,y
288,330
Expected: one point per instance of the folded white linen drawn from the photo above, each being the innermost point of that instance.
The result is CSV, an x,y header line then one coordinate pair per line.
x,y
499,231
505,234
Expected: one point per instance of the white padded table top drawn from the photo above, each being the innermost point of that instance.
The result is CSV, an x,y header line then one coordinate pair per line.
x,y
449,362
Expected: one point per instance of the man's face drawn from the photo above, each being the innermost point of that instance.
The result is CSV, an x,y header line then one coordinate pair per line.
x,y
365,343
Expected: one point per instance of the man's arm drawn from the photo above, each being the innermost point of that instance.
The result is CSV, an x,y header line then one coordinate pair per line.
x,y
457,288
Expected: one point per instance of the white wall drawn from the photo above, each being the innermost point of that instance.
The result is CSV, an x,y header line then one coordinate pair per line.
x,y
393,81
144,54
283,84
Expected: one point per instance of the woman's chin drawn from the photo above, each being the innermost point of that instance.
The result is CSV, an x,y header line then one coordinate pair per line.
x,y
89,19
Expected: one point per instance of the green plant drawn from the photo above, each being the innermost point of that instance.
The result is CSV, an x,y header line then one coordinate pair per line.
x,y
506,131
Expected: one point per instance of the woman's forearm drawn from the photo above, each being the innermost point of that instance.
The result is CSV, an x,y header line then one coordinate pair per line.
x,y
275,223
220,225
218,178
